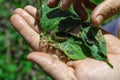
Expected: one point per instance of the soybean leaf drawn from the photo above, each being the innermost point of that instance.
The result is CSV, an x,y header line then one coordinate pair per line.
x,y
99,41
98,47
72,49
93,48
47,24
102,42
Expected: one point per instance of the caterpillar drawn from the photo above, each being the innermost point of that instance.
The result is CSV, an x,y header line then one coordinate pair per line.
x,y
58,38
90,42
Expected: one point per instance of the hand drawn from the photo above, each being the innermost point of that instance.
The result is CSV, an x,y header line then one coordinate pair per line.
x,y
25,22
102,12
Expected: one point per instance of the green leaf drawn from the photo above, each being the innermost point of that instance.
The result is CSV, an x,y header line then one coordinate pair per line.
x,y
93,48
46,24
102,42
72,49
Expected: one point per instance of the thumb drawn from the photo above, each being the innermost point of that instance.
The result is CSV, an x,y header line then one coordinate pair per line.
x,y
104,11
51,65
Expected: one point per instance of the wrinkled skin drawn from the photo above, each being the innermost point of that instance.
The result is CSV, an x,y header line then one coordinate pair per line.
x,y
99,13
25,22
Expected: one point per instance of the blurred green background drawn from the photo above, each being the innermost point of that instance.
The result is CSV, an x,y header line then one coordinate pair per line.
x,y
13,49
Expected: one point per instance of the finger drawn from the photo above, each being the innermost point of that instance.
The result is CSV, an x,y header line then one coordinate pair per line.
x,y
52,66
52,3
31,36
80,10
65,4
32,11
104,11
89,4
28,18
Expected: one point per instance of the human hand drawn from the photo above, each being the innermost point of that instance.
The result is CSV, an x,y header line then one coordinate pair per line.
x,y
102,12
25,22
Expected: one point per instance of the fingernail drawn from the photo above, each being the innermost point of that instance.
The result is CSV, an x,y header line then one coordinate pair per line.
x,y
18,11
99,19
